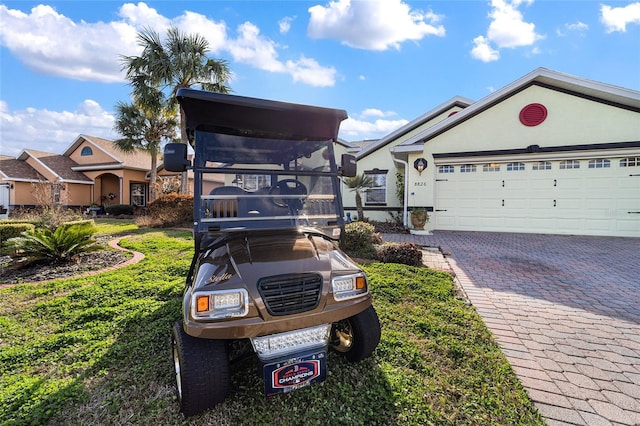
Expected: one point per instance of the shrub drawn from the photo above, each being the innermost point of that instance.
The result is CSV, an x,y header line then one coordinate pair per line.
x,y
405,253
119,209
359,240
12,230
393,226
168,210
49,217
59,245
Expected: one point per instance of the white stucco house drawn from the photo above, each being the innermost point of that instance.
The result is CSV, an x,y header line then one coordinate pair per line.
x,y
548,153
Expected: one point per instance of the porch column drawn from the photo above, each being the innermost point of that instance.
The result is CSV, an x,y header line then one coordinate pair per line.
x,y
120,189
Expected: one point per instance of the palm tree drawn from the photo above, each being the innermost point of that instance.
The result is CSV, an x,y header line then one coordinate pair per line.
x,y
144,125
179,63
359,184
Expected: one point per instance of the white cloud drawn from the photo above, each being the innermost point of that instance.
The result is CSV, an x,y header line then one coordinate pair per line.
x,y
483,50
354,129
308,71
372,25
52,131
50,43
507,30
374,112
285,24
214,32
252,48
140,15
372,123
576,27
617,18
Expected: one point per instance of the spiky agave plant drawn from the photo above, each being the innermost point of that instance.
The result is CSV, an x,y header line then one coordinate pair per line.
x,y
60,245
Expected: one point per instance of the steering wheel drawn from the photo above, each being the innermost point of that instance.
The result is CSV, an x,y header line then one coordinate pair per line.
x,y
286,187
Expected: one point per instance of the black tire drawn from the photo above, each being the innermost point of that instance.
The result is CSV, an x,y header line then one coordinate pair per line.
x,y
201,371
357,337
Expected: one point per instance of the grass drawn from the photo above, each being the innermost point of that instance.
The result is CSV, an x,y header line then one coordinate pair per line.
x,y
96,351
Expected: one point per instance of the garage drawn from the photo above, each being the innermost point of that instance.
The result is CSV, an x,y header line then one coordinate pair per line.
x,y
589,195
549,153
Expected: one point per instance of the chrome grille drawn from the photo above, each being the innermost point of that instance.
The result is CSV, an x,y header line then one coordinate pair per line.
x,y
290,294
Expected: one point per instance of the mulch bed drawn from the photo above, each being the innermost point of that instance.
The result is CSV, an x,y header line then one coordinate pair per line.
x,y
11,273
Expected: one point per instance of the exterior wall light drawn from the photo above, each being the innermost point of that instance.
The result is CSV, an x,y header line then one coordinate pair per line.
x,y
420,164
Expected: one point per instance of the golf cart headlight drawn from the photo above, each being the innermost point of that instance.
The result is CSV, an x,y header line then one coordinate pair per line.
x,y
220,304
348,286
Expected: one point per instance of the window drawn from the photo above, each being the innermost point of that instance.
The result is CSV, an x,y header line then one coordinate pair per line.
x,y
139,194
630,162
599,163
86,151
468,168
56,189
252,183
377,193
541,165
446,169
514,167
569,164
491,167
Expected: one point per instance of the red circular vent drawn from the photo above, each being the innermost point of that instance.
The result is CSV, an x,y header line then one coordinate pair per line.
x,y
452,113
533,114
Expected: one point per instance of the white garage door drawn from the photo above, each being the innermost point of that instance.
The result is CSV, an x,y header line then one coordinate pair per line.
x,y
588,197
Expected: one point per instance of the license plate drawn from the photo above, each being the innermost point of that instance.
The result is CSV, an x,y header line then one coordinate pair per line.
x,y
294,373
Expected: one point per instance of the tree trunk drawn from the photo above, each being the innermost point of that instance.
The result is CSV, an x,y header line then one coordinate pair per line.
x,y
359,206
154,175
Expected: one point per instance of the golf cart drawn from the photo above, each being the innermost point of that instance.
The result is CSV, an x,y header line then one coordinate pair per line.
x,y
267,267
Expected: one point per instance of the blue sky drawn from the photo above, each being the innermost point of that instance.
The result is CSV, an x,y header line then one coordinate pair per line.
x,y
384,62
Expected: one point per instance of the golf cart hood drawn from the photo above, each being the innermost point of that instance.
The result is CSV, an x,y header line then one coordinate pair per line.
x,y
249,258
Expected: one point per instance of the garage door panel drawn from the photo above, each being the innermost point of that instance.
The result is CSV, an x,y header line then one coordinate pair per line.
x,y
444,221
580,201
629,226
515,185
569,183
598,225
568,224
488,205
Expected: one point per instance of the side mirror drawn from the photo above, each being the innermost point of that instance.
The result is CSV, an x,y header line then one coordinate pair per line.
x,y
348,167
175,157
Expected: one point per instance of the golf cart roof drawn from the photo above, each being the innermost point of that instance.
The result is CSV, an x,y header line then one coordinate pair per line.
x,y
258,118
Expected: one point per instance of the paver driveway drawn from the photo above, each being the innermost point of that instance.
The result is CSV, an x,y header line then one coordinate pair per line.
x,y
565,311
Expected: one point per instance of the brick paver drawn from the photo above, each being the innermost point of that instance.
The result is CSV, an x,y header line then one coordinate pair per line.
x,y
565,310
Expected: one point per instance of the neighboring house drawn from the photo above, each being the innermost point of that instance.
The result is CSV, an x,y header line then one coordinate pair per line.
x,y
90,171
375,160
548,153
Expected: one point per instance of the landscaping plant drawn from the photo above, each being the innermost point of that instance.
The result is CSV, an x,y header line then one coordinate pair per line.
x,y
56,246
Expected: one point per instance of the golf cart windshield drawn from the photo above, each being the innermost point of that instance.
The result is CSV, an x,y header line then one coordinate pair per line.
x,y
255,183
261,164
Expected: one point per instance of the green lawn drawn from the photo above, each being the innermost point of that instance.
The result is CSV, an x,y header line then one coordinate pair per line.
x,y
96,351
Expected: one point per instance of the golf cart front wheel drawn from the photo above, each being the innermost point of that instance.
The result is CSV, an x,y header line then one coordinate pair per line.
x,y
201,371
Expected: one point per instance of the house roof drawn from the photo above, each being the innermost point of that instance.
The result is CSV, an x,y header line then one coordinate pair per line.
x,y
14,169
357,146
128,160
613,95
456,101
60,165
